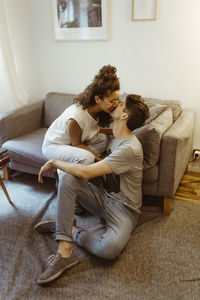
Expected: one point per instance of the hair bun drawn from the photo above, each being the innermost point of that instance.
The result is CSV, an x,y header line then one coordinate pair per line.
x,y
107,71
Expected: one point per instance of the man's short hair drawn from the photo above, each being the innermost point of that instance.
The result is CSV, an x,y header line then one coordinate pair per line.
x,y
137,110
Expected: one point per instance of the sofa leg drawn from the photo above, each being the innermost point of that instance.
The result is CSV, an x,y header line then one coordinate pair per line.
x,y
6,173
167,206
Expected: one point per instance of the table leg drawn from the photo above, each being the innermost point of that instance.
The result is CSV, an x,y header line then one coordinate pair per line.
x,y
5,190
6,173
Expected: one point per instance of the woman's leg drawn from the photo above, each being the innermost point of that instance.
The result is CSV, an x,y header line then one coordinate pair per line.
x,y
67,153
98,143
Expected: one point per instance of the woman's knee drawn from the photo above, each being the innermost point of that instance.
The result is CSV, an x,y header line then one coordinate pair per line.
x,y
67,179
45,152
75,156
49,151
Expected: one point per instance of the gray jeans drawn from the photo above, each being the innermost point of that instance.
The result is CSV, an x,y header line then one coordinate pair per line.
x,y
119,220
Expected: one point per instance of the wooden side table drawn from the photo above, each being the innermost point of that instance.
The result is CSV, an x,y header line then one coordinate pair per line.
x,y
3,162
5,190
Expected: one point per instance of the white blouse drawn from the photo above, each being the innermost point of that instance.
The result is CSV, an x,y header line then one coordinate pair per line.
x,y
57,132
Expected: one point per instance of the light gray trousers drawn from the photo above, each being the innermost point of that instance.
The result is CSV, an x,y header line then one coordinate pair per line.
x,y
120,221
74,154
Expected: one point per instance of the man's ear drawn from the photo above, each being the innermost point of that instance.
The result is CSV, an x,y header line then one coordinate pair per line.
x,y
97,99
124,116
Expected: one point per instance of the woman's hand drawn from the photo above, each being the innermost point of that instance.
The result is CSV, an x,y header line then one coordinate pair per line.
x,y
97,158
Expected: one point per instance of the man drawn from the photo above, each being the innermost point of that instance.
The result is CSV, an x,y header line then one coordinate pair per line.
x,y
118,202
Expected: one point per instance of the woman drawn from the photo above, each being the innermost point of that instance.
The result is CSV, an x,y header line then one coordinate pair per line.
x,y
78,134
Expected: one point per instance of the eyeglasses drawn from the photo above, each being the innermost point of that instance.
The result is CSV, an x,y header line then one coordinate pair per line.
x,y
113,101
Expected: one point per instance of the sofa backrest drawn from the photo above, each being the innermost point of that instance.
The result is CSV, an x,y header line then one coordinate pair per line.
x,y
54,105
175,105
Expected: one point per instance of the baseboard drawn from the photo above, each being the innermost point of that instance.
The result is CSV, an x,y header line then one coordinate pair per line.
x,y
194,166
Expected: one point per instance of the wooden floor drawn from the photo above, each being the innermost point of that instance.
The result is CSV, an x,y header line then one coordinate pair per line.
x,y
189,188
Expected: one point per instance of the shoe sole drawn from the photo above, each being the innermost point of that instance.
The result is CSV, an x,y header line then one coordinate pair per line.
x,y
55,276
43,223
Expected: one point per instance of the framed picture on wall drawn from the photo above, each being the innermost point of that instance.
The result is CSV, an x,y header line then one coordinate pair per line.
x,y
81,20
144,10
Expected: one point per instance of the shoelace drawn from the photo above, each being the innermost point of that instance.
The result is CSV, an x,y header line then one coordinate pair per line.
x,y
52,259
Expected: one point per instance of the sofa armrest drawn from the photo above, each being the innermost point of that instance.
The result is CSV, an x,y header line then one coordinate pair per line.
x,y
175,153
21,121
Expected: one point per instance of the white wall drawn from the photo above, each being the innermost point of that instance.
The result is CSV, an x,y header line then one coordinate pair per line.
x,y
154,58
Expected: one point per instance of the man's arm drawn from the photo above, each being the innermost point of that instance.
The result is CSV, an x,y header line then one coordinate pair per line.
x,y
78,170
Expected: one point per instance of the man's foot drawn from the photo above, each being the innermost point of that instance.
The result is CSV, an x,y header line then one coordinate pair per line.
x,y
49,226
46,226
56,266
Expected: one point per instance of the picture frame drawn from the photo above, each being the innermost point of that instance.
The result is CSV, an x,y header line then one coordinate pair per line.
x,y
85,20
144,10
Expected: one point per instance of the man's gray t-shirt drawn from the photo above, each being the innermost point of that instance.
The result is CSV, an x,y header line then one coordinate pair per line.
x,y
126,160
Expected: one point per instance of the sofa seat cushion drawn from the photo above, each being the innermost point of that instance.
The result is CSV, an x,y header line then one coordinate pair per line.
x,y
151,174
22,167
150,136
54,106
27,148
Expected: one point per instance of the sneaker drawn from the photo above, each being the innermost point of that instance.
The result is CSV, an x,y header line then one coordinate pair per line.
x,y
46,226
56,266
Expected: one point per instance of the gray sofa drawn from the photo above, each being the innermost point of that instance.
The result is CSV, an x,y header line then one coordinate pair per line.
x,y
167,140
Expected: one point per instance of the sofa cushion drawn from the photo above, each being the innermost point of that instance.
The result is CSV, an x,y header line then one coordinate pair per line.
x,y
149,188
27,148
54,105
155,110
175,105
151,174
27,168
150,136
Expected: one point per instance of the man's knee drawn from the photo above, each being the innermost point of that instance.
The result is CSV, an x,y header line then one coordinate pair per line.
x,y
66,179
110,251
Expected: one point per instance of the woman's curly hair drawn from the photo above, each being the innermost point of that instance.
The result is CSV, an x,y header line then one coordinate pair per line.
x,y
103,84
